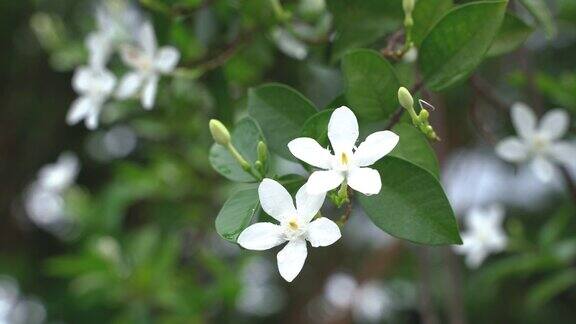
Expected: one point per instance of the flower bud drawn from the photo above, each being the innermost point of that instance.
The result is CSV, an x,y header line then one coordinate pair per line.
x,y
405,98
219,132
424,114
262,152
408,6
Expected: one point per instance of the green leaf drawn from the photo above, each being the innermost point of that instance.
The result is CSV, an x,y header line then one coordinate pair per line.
x,y
316,127
550,287
411,205
280,111
371,85
237,213
292,182
414,147
457,44
512,34
426,14
245,137
540,11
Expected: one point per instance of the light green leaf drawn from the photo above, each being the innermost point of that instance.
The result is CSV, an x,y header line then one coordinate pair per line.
x,y
245,137
457,44
411,205
237,213
414,147
512,34
371,85
280,111
426,14
540,11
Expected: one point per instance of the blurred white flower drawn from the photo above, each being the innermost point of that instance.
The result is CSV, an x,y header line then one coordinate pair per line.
x,y
259,295
540,144
61,175
368,302
148,63
94,85
296,226
16,309
411,56
483,235
360,232
349,163
288,44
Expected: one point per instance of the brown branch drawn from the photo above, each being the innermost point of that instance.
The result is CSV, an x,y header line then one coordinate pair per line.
x,y
390,51
395,118
224,55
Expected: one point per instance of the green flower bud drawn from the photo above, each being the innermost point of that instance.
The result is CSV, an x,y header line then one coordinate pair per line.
x,y
219,132
408,6
424,114
262,152
405,98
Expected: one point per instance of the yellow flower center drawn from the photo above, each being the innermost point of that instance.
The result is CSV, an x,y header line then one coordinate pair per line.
x,y
293,224
344,159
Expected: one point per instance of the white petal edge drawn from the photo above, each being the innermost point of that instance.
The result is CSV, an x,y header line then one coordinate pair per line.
x,y
543,168
309,151
129,85
375,147
261,236
365,180
564,152
512,149
523,119
166,59
307,204
79,110
323,232
291,259
554,124
324,181
343,129
147,38
275,200
149,92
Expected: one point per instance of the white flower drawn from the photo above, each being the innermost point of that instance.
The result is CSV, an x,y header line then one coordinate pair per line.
x,y
483,235
296,226
539,144
289,44
348,162
148,63
94,85
368,302
59,176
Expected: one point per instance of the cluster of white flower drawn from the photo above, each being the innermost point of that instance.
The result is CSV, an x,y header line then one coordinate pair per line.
x,y
16,308
44,199
119,29
346,165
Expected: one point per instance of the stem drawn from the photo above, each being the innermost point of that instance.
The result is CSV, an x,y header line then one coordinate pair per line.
x,y
399,111
242,161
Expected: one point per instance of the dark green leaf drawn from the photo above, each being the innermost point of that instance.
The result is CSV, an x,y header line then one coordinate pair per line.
x,y
457,44
411,205
316,127
371,85
292,182
540,11
414,147
550,287
245,137
426,14
512,34
280,111
237,213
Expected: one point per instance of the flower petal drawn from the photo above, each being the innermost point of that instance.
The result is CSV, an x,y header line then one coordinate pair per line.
x,y
564,152
291,259
324,181
82,80
147,38
149,92
543,168
275,200
166,59
512,149
323,232
129,85
309,151
261,236
79,110
375,147
307,204
343,129
365,180
523,119
554,124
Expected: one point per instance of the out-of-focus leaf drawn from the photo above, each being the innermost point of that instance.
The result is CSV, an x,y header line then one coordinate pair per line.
x,y
512,34
281,112
371,85
457,44
414,147
411,205
545,290
426,14
540,11
237,213
245,138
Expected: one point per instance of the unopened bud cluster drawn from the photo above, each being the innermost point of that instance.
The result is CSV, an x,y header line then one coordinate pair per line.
x,y
419,120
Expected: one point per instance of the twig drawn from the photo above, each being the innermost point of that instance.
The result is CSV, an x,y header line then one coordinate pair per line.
x,y
390,51
347,209
225,54
395,118
485,91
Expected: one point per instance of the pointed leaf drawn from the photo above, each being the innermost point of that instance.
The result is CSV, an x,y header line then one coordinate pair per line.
x,y
237,213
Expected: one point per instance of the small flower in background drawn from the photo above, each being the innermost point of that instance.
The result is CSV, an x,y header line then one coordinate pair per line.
x,y
483,235
148,63
259,295
44,201
116,143
296,226
368,301
288,44
16,309
348,163
540,144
